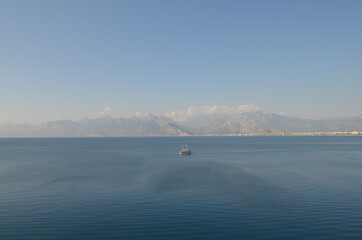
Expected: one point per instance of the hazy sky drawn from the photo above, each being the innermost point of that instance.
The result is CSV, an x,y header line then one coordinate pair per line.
x,y
74,59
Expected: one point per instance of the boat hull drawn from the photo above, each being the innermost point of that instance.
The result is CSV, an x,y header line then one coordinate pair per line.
x,y
185,152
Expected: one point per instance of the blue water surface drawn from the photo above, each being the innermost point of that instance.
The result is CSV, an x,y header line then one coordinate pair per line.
x,y
140,188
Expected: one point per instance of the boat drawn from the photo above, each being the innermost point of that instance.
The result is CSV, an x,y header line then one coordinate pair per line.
x,y
185,151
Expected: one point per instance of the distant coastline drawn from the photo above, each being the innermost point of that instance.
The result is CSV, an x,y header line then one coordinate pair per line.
x,y
209,135
243,124
293,134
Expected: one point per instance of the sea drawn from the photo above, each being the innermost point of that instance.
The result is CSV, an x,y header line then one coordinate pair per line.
x,y
262,187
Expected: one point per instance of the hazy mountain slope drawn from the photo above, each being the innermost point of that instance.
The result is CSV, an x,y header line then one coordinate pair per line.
x,y
16,130
150,125
259,122
107,126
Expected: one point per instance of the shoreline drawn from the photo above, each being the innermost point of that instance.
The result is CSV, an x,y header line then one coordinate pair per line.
x,y
354,133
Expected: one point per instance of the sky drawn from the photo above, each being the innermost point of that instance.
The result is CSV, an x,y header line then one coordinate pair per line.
x,y
75,59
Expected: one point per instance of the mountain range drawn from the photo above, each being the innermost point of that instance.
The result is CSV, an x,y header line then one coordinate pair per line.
x,y
210,124
148,125
259,122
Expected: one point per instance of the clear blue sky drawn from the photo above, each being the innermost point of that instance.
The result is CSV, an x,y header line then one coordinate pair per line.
x,y
70,59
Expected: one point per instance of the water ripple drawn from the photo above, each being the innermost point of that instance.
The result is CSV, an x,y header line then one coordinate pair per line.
x,y
62,189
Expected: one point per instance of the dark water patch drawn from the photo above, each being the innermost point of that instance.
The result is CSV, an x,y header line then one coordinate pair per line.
x,y
214,180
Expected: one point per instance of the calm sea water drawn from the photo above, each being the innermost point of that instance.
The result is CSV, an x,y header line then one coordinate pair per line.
x,y
140,188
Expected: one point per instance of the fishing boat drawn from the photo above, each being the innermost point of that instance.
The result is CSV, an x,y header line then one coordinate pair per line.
x,y
185,151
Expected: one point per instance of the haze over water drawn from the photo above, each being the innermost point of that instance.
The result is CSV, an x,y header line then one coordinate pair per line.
x,y
140,188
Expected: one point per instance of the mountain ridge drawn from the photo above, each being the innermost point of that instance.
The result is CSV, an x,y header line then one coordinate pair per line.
x,y
251,122
107,126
